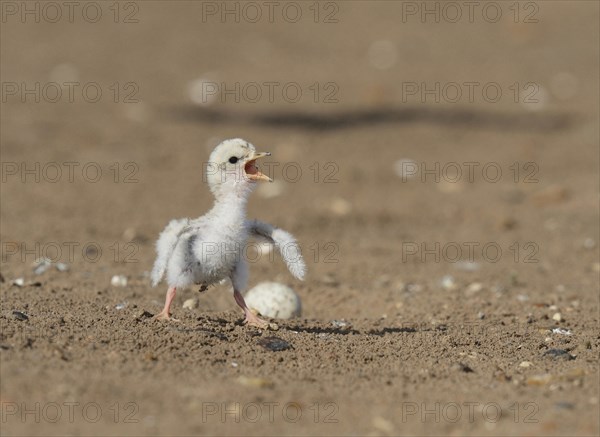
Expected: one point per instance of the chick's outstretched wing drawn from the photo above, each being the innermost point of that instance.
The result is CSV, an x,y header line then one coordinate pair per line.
x,y
285,243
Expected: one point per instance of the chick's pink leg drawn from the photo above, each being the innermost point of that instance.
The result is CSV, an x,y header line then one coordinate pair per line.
x,y
251,318
165,313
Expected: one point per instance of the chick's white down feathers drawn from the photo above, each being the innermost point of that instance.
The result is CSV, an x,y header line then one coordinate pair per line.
x,y
211,248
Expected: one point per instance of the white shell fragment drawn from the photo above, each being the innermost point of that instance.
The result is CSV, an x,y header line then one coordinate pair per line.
x,y
190,304
119,281
274,300
561,331
40,265
448,283
62,267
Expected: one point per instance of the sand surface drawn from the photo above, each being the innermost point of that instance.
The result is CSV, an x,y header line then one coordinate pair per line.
x,y
400,334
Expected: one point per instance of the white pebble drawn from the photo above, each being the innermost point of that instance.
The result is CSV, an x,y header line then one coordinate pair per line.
x,y
557,317
19,282
448,283
467,266
561,331
475,287
119,281
526,364
274,300
339,323
62,267
190,304
41,265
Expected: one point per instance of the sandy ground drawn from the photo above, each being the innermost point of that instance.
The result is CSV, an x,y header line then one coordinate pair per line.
x,y
401,334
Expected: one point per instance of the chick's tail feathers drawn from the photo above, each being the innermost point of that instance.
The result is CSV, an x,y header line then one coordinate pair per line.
x,y
165,245
285,243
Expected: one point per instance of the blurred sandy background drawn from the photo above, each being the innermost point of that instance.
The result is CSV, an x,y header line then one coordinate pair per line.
x,y
403,339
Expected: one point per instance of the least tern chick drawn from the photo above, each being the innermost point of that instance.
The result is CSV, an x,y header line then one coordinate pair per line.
x,y
211,248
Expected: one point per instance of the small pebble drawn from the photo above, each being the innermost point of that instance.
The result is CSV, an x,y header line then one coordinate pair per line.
x,y
149,356
413,288
526,364
330,280
463,368
143,315
41,265
383,425
558,317
255,382
129,234
473,288
190,304
119,281
19,282
198,90
558,354
121,306
448,283
340,206
339,323
274,344
62,267
561,331
20,316
544,379
467,266
549,195
480,315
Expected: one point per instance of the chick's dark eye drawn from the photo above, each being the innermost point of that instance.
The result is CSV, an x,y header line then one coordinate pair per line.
x,y
233,159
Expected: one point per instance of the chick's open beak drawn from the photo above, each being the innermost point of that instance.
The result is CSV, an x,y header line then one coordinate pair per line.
x,y
252,171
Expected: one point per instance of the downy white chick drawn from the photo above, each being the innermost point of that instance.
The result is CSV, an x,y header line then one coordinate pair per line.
x,y
210,249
